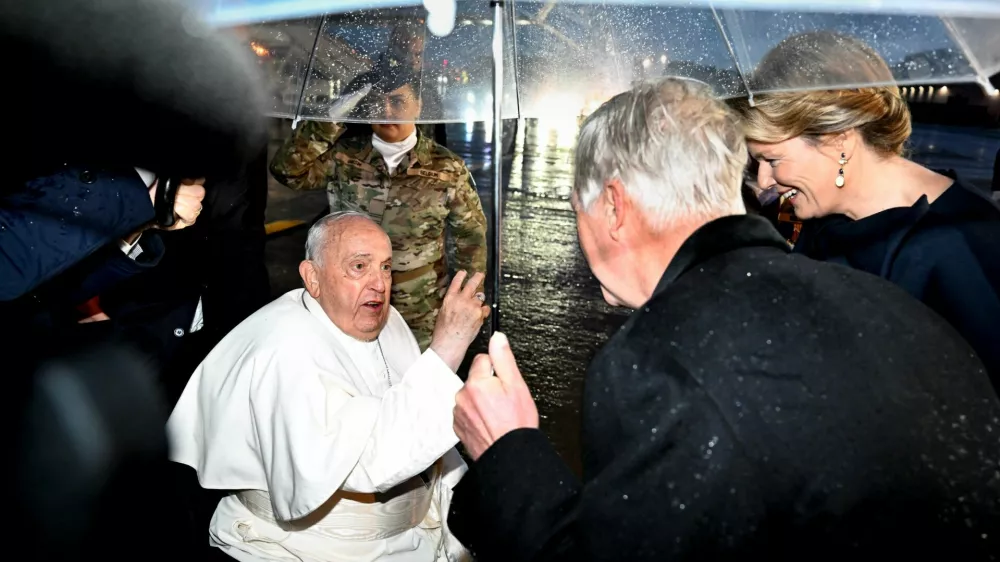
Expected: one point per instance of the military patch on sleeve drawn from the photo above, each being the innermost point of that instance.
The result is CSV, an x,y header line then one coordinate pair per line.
x,y
354,162
376,208
442,176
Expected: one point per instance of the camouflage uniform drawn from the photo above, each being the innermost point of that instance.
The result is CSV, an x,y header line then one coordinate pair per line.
x,y
430,188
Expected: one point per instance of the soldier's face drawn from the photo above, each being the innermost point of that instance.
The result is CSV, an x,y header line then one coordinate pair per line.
x,y
400,105
352,284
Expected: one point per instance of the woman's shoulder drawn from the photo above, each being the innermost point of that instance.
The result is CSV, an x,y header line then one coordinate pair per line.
x,y
962,223
963,204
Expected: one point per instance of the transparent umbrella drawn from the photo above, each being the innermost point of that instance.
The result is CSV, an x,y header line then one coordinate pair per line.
x,y
477,60
566,56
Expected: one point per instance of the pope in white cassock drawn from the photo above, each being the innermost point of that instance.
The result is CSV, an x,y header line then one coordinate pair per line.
x,y
322,416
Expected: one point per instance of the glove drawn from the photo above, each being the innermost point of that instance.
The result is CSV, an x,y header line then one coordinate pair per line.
x,y
346,103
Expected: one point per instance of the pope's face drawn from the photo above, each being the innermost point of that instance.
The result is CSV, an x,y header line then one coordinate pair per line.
x,y
353,280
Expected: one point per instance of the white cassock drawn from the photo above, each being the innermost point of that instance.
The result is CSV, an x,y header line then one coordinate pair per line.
x,y
338,452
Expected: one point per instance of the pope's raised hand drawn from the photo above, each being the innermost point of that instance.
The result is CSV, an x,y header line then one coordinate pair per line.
x,y
459,320
489,407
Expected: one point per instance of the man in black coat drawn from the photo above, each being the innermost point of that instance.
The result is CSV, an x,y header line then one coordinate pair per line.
x,y
756,405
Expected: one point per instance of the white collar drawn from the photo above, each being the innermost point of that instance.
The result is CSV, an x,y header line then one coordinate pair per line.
x,y
393,152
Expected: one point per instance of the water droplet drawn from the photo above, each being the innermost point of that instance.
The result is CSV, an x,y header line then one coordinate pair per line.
x,y
654,430
749,274
681,506
624,496
860,335
777,408
768,342
634,366
713,441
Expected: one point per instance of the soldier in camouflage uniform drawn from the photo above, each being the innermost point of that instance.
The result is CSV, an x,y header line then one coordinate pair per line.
x,y
428,190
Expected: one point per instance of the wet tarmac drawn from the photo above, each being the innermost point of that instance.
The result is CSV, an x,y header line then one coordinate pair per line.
x,y
551,306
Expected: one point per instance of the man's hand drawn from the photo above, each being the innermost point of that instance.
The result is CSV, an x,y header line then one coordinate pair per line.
x,y
459,320
187,204
489,407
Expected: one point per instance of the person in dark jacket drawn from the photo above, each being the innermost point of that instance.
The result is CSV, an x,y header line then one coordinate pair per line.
x,y
836,155
756,405
151,87
212,276
72,232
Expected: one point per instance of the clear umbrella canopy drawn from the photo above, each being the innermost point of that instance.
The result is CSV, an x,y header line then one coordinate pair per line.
x,y
562,58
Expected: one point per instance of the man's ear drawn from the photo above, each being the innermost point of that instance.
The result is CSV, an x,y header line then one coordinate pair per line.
x,y
615,203
310,277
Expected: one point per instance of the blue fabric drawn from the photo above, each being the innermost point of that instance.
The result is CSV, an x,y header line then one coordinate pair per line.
x,y
54,221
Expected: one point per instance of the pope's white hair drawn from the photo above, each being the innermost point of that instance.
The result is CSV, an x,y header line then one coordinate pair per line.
x,y
678,151
320,233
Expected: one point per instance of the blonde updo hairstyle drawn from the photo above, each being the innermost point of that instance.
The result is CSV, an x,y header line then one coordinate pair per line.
x,y
876,111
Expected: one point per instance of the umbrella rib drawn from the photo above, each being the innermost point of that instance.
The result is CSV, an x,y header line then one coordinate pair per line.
x,y
309,67
543,14
732,54
981,78
514,63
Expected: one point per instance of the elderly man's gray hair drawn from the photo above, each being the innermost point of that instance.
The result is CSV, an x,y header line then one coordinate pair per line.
x,y
677,149
321,232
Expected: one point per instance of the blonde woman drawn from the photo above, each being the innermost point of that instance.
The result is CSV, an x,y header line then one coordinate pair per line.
x,y
838,155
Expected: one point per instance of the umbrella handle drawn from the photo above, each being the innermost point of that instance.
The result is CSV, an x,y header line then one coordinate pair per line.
x,y
163,203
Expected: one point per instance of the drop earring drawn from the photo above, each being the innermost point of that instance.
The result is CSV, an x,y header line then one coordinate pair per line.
x,y
840,176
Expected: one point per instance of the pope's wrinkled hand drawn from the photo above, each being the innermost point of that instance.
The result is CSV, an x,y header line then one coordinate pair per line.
x,y
489,407
459,320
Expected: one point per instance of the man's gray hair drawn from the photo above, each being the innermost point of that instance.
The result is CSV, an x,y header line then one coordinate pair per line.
x,y
677,149
319,233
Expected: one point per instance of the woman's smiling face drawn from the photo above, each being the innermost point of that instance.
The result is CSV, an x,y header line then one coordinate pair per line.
x,y
803,170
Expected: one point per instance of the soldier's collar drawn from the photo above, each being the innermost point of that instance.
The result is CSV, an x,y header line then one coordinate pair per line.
x,y
423,151
366,153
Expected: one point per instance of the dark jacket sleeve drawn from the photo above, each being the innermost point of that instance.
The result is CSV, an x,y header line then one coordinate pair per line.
x,y
676,461
500,513
104,270
57,220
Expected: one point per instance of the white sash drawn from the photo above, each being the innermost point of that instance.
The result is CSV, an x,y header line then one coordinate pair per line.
x,y
354,516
